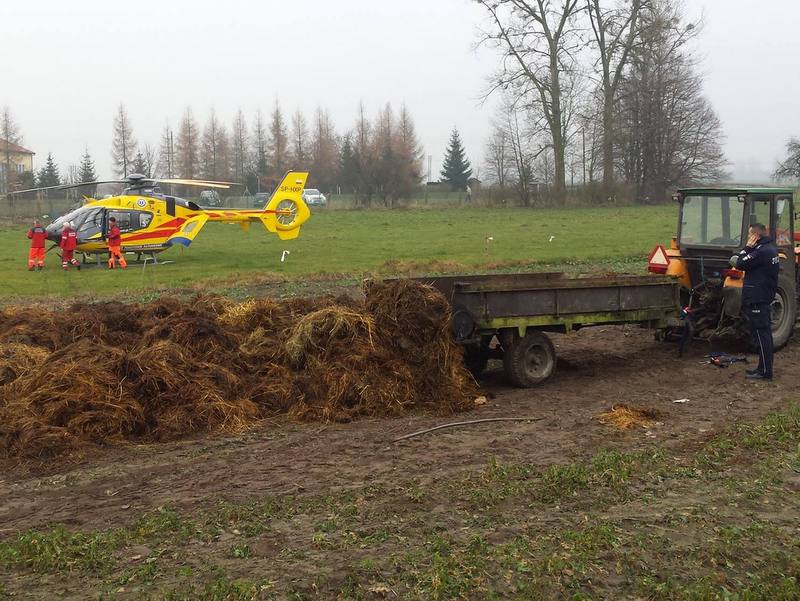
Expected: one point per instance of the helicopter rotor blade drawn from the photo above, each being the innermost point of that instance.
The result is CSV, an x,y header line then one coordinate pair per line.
x,y
197,183
202,181
64,187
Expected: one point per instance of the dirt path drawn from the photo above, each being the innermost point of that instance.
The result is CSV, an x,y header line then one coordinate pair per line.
x,y
598,368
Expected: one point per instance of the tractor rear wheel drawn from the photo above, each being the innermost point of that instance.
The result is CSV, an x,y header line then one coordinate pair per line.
x,y
528,360
783,311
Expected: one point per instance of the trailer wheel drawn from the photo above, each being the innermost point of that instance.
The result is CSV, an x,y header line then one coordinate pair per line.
x,y
530,360
783,312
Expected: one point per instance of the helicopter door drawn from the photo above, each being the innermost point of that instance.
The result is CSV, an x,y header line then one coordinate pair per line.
x,y
91,225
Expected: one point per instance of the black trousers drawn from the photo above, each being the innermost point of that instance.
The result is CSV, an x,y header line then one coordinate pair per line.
x,y
761,331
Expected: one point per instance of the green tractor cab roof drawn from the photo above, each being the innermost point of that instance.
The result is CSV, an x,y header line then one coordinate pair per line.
x,y
735,191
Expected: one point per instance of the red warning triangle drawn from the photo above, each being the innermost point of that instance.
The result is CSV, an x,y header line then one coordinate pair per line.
x,y
658,258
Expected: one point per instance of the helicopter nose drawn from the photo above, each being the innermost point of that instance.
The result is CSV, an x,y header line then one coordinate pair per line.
x,y
52,234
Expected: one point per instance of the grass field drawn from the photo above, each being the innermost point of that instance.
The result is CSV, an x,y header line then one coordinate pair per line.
x,y
352,243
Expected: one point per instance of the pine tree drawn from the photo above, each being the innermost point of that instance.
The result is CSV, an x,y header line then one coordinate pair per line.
x,y
86,174
86,171
48,174
123,145
456,170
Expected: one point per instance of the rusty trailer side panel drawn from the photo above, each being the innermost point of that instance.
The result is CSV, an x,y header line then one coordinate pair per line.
x,y
554,301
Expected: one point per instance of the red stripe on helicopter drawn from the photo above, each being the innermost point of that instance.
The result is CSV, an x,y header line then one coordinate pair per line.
x,y
149,235
163,230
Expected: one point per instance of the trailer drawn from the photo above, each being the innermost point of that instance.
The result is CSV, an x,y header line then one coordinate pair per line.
x,y
508,316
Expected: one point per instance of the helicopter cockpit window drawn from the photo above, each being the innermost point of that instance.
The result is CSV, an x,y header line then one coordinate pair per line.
x,y
71,216
145,219
90,223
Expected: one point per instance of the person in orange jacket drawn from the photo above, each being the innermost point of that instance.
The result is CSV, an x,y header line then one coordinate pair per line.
x,y
38,236
115,244
69,242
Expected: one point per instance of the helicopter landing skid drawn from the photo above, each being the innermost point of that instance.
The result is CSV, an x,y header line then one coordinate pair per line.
x,y
100,260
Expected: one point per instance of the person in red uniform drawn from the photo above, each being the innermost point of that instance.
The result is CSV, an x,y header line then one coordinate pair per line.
x,y
38,236
115,244
69,241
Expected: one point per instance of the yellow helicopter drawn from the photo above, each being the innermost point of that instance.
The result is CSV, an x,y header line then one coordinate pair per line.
x,y
151,221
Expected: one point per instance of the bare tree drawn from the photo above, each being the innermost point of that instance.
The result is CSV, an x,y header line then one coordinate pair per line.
x,y
123,145
409,154
538,39
523,158
589,135
669,133
187,147
150,160
210,160
324,151
224,154
615,32
384,162
790,167
239,147
9,134
498,161
166,162
300,148
260,145
362,150
278,145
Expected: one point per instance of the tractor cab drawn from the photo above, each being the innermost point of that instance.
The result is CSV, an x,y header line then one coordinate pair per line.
x,y
712,226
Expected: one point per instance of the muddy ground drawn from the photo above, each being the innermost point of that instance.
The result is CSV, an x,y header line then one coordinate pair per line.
x,y
598,367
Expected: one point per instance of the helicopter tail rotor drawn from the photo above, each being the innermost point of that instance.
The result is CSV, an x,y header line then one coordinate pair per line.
x,y
286,211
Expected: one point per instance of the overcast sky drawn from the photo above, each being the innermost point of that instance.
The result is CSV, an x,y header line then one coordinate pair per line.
x,y
69,63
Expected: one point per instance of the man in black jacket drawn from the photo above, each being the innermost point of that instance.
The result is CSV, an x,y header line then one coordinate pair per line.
x,y
759,260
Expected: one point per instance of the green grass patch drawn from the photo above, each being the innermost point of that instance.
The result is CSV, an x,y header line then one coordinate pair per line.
x,y
57,549
356,242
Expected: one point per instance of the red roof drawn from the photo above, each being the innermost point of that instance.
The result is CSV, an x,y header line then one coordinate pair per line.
x,y
14,148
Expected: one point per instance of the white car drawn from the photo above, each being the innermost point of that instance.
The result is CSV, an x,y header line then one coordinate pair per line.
x,y
314,198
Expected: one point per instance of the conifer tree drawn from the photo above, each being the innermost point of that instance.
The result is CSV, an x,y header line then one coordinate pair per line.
x,y
48,174
86,174
456,170
86,171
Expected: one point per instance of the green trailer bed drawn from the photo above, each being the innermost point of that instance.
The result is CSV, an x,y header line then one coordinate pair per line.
x,y
517,309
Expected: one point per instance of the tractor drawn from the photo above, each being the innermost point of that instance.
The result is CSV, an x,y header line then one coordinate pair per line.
x,y
713,226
